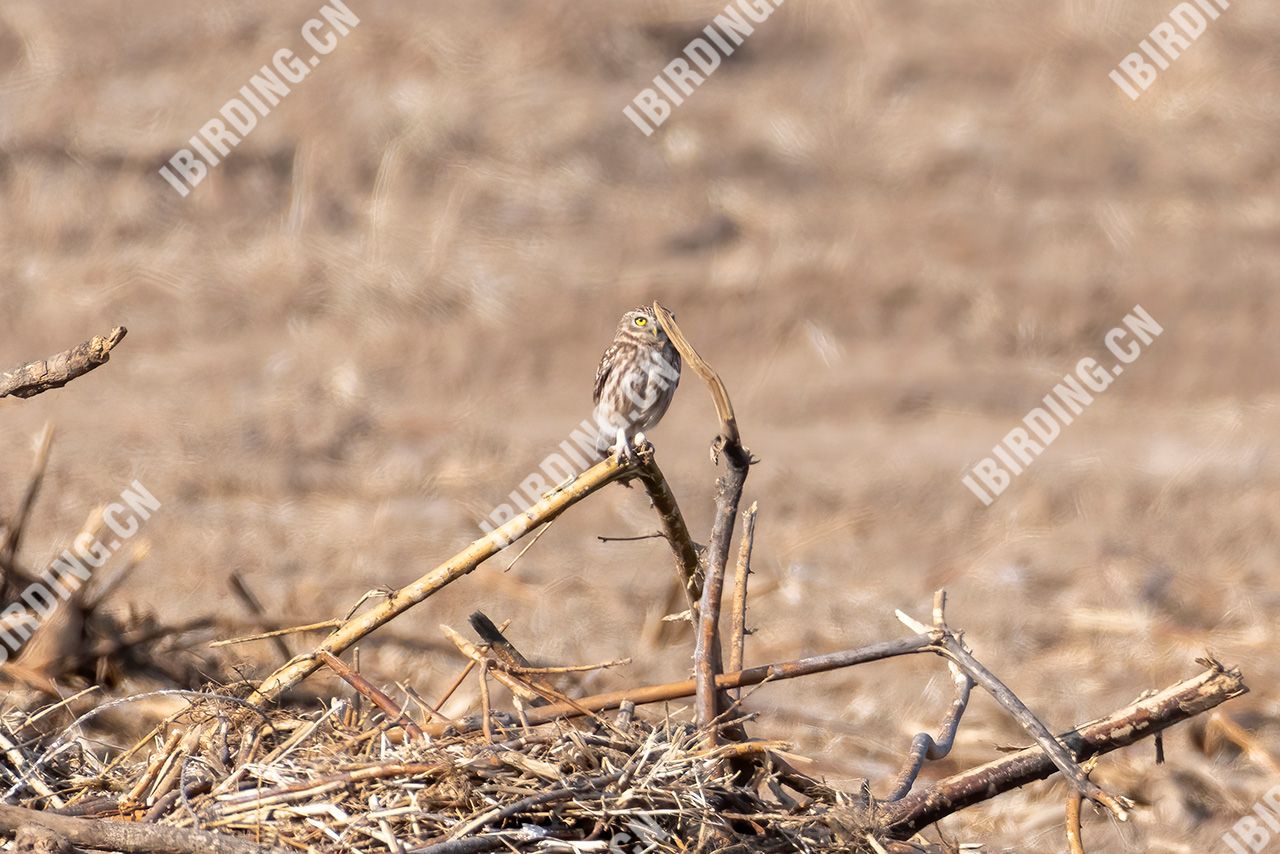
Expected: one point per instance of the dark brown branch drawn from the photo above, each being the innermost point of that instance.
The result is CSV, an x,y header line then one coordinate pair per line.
x,y
126,836
750,676
373,693
707,659
1140,720
688,568
738,617
1058,754
56,371
504,651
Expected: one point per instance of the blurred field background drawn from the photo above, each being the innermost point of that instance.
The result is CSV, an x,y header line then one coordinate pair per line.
x,y
891,225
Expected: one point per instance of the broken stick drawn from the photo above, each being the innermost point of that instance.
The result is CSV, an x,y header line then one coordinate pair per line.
x,y
56,371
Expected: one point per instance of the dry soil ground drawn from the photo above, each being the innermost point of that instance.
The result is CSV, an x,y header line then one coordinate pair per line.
x,y
893,225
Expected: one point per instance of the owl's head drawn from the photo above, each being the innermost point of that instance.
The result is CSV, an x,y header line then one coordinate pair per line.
x,y
641,323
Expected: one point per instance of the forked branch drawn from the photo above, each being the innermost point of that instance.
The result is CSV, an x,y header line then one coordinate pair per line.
x,y
707,654
1140,720
951,647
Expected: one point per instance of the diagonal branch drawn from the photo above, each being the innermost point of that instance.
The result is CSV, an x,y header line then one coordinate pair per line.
x,y
373,693
951,647
1133,723
56,371
464,562
1058,754
688,569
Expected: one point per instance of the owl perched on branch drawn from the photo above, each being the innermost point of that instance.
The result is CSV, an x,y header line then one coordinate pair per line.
x,y
635,382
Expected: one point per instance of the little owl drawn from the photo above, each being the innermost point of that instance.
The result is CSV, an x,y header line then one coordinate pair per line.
x,y
635,382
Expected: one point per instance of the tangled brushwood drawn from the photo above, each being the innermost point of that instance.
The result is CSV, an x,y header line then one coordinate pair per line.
x,y
250,766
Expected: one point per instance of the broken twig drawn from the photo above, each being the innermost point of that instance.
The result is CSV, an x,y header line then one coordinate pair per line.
x,y
56,371
738,617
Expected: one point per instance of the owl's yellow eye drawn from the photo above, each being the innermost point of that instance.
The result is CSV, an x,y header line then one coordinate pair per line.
x,y
642,321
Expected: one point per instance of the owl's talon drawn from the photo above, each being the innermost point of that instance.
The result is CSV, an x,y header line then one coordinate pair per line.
x,y
635,382
622,450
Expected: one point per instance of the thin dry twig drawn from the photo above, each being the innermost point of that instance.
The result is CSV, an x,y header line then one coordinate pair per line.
x,y
292,630
528,545
656,535
253,605
56,371
738,618
373,693
11,535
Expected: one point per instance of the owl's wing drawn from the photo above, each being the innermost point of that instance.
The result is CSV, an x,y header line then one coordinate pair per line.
x,y
602,372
